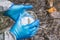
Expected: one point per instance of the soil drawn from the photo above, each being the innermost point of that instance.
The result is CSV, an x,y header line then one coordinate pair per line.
x,y
49,27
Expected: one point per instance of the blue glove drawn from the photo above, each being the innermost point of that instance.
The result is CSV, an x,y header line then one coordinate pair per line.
x,y
24,31
14,11
17,12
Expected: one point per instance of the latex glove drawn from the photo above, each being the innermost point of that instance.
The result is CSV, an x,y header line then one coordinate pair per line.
x,y
14,11
21,31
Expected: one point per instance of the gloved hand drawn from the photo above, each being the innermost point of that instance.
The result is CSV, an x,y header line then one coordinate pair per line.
x,y
21,31
14,11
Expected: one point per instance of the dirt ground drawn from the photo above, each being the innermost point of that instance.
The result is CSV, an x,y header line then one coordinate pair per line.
x,y
49,27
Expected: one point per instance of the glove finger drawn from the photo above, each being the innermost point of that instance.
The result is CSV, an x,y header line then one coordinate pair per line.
x,y
33,29
32,25
34,32
28,7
